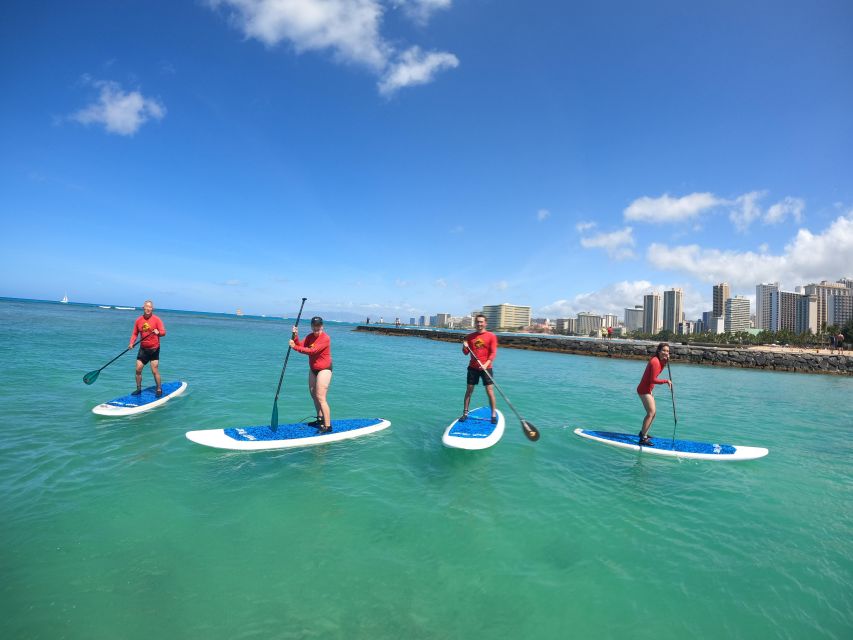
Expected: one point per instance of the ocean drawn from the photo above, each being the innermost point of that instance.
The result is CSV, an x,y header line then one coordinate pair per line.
x,y
122,528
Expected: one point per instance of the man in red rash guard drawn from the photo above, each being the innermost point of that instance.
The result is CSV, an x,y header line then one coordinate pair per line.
x,y
318,348
151,328
647,384
484,345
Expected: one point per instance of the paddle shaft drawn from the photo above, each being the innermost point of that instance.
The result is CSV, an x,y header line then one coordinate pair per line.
x,y
529,430
672,393
89,378
274,419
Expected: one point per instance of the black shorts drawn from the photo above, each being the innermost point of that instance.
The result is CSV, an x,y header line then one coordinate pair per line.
x,y
147,355
475,375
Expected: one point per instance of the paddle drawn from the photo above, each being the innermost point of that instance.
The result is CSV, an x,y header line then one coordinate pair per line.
x,y
674,417
90,377
530,431
274,419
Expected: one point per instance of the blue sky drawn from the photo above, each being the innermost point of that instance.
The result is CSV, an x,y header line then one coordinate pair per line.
x,y
399,158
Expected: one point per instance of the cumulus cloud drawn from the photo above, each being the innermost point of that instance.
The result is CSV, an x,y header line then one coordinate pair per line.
x,y
543,214
616,297
413,67
743,210
669,209
809,257
616,243
349,29
118,111
584,226
781,210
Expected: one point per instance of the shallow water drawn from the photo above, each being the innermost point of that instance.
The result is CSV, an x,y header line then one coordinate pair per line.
x,y
123,528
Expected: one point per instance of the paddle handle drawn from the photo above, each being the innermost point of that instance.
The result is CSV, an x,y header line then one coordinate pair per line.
x,y
274,417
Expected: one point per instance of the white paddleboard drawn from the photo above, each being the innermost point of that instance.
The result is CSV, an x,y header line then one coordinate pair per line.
x,y
147,400
286,435
677,448
477,432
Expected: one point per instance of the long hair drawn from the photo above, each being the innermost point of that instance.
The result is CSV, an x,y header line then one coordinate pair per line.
x,y
661,345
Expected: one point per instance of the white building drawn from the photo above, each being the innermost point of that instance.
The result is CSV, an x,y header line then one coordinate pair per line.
x,y
823,291
634,318
736,315
507,316
566,326
588,323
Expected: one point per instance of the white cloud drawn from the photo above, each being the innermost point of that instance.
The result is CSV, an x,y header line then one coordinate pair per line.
x,y
616,243
584,226
233,282
746,210
422,10
118,111
668,209
807,258
350,29
401,283
414,67
781,210
616,297
543,214
441,283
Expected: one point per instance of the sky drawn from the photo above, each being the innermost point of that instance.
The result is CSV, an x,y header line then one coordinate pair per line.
x,y
401,158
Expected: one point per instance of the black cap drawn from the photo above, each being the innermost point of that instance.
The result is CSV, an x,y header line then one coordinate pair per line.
x,y
316,320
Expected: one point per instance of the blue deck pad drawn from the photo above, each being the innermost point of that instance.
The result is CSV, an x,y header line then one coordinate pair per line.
x,y
478,425
147,396
666,444
298,430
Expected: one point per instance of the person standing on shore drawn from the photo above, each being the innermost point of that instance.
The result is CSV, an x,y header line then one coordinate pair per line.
x,y
647,384
484,345
151,328
839,341
318,348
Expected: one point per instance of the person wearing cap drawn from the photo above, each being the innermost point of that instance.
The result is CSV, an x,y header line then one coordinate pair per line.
x,y
318,347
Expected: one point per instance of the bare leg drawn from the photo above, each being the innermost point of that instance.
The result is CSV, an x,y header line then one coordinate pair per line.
x,y
490,391
155,369
468,391
312,389
322,379
648,401
139,366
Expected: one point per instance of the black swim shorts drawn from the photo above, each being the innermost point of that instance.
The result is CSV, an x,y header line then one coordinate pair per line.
x,y
475,375
147,355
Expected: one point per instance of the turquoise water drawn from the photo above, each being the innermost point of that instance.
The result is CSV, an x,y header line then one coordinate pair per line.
x,y
122,528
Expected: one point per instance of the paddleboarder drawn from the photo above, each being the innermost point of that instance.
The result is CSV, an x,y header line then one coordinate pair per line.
x,y
650,378
318,347
484,345
151,328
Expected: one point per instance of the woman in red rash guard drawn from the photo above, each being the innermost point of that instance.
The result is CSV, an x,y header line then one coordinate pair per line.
x,y
318,348
650,378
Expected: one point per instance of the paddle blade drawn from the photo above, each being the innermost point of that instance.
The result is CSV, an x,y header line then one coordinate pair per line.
x,y
274,418
90,377
530,431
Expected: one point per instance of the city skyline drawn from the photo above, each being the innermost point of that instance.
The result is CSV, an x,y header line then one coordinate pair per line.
x,y
387,158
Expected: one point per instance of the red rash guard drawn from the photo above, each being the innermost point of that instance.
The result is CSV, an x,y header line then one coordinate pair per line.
x,y
650,377
145,327
484,346
319,350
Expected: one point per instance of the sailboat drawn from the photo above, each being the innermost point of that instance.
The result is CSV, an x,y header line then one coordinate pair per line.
x,y
64,298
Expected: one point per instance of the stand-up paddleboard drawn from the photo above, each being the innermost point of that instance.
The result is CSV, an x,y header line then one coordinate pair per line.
x,y
130,404
677,448
286,435
477,432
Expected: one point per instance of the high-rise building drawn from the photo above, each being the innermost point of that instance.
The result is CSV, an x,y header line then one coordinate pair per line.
x,y
686,328
721,294
806,320
634,318
839,310
706,320
736,316
588,323
566,326
652,320
762,304
424,321
507,316
442,320
783,311
413,321
610,320
823,291
673,309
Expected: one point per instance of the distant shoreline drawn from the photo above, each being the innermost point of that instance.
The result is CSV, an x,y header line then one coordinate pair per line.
x,y
764,357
